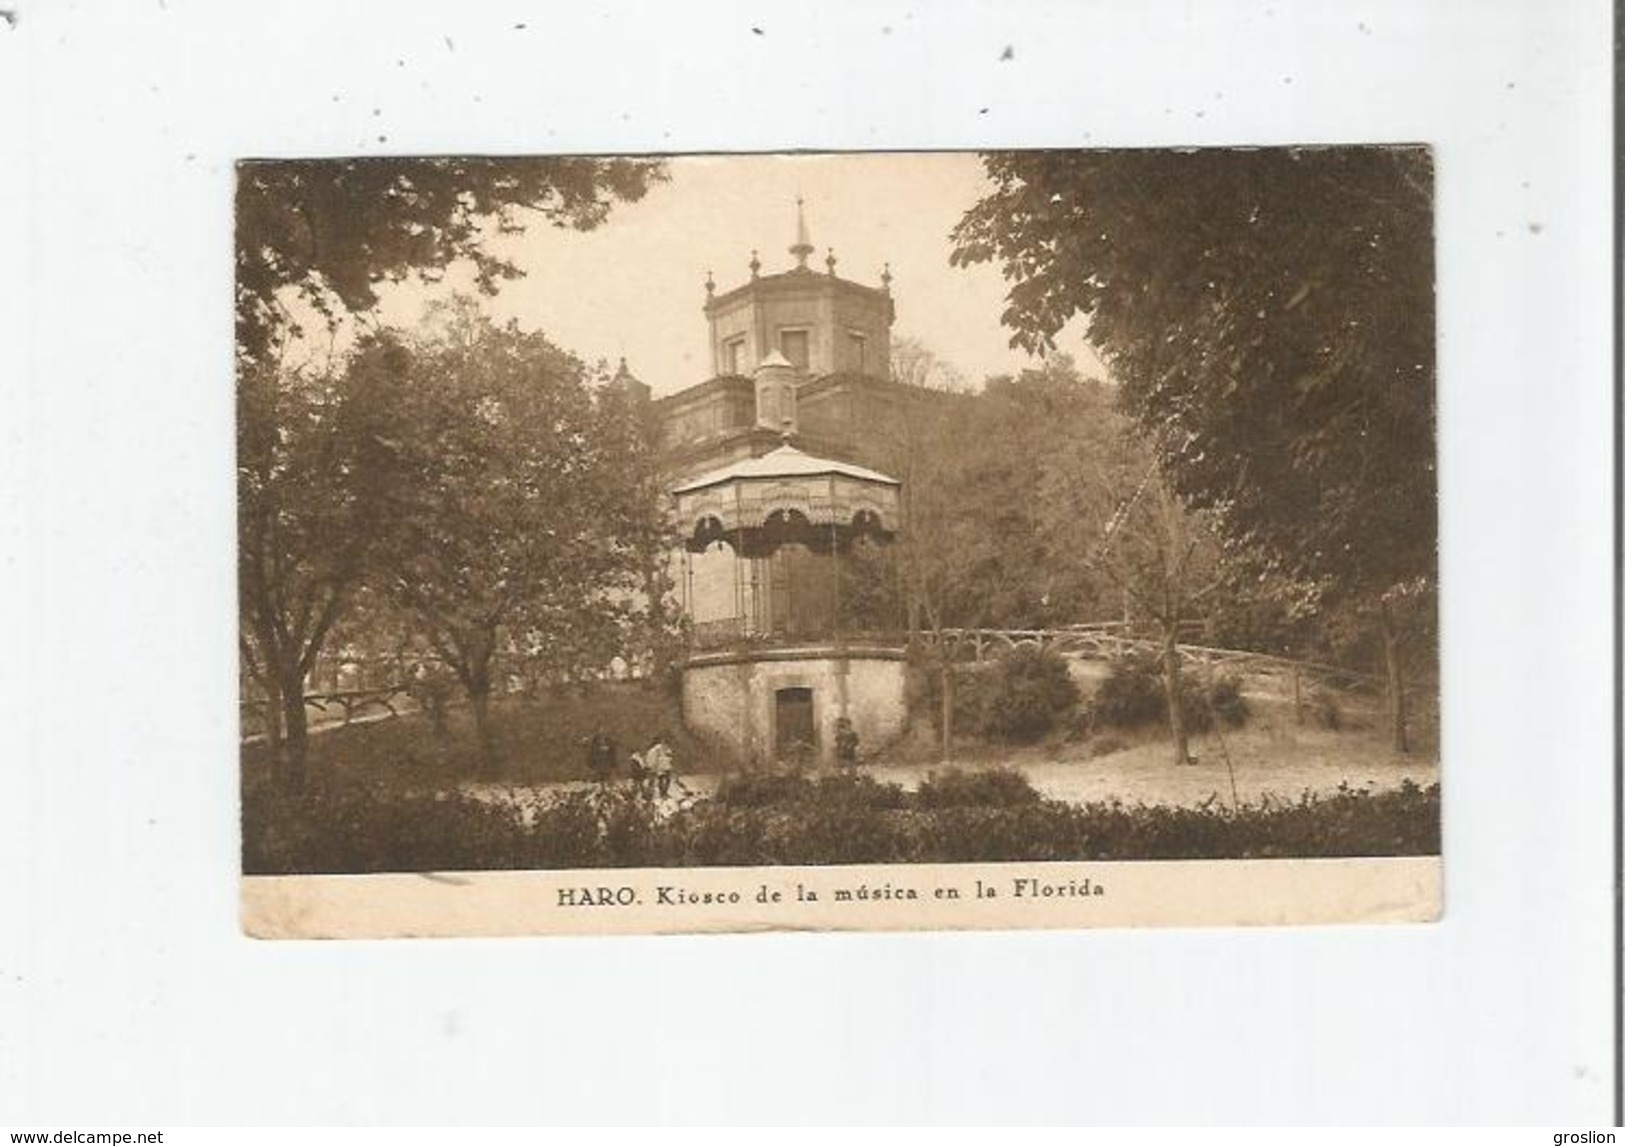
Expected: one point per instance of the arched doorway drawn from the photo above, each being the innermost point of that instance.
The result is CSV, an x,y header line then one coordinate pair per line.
x,y
795,733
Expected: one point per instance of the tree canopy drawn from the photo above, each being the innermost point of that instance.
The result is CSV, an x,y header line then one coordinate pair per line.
x,y
331,231
319,477
529,522
325,474
1269,318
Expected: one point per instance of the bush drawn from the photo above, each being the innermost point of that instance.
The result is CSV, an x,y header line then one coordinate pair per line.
x,y
1133,695
355,828
780,789
993,788
1326,712
1226,702
763,789
953,818
1019,698
1031,692
1106,745
971,685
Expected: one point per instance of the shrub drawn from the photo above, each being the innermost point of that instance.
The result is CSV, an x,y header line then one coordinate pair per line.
x,y
993,788
1226,702
762,789
356,828
780,789
1106,745
956,817
971,686
1029,694
1132,693
1326,712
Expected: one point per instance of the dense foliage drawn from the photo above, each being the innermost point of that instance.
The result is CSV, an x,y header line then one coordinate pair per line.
x,y
1269,317
327,463
1031,695
530,516
540,739
1018,698
1134,694
759,821
328,232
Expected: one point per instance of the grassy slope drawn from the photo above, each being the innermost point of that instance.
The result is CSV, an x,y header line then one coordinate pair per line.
x,y
538,741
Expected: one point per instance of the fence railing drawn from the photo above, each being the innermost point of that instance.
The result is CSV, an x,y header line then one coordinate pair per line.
x,y
338,707
1110,639
731,633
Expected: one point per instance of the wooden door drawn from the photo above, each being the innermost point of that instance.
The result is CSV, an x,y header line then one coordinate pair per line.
x,y
794,732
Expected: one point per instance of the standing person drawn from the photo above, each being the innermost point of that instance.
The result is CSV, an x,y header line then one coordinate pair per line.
x,y
846,743
601,749
639,774
659,761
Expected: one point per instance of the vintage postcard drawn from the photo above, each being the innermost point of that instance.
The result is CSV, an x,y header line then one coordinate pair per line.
x,y
837,541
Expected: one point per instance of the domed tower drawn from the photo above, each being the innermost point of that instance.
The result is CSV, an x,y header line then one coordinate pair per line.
x,y
779,495
821,323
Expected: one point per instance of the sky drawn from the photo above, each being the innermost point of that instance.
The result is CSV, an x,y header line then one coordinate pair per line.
x,y
635,285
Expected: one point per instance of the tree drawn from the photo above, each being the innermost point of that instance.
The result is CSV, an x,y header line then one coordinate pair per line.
x,y
330,231
1045,431
318,472
528,528
654,639
1269,317
315,472
1162,558
913,363
979,547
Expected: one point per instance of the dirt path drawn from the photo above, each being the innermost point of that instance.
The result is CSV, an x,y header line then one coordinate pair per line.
x,y
1280,762
1280,766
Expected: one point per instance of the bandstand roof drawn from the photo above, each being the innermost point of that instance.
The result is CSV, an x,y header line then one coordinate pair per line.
x,y
784,462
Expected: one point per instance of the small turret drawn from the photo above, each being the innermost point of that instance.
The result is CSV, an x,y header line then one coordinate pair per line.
x,y
627,384
776,395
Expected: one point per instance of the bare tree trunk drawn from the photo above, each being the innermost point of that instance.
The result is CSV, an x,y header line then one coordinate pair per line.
x,y
947,710
480,702
1174,684
295,729
272,715
1394,676
478,683
654,587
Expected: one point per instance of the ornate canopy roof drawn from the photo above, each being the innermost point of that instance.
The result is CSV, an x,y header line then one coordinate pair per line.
x,y
784,462
786,495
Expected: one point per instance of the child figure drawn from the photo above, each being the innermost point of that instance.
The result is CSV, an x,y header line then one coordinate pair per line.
x,y
658,760
846,743
638,771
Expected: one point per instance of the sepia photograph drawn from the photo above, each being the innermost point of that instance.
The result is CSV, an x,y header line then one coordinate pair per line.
x,y
884,564
783,511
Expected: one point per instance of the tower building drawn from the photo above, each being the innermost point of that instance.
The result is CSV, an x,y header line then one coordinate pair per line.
x,y
825,339
777,471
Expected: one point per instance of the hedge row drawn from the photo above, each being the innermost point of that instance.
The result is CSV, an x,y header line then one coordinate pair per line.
x,y
954,817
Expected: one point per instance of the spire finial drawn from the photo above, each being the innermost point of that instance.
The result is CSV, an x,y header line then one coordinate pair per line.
x,y
803,245
885,278
755,263
710,284
829,261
